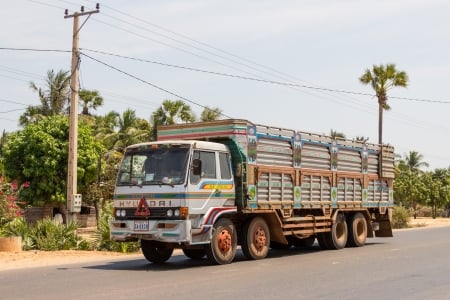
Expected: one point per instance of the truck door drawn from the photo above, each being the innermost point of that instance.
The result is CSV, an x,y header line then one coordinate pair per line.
x,y
213,186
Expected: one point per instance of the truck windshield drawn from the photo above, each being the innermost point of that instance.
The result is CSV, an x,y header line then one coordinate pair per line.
x,y
165,164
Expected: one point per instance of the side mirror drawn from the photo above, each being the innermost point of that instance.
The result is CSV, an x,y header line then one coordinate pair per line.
x,y
197,166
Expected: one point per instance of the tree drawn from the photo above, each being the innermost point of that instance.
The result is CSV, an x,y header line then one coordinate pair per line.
x,y
409,189
361,139
383,78
210,114
89,100
38,154
336,135
171,112
414,161
130,130
53,98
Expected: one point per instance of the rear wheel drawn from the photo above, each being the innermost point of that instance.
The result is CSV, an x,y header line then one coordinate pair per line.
x,y
357,230
222,248
155,252
337,238
255,238
194,253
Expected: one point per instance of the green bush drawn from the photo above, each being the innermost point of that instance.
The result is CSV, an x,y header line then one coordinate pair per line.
x,y
49,235
102,241
19,227
400,217
45,235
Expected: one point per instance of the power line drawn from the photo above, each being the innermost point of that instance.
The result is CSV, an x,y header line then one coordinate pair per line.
x,y
34,49
261,80
148,83
13,102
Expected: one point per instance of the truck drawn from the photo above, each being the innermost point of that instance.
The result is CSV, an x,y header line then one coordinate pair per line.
x,y
209,187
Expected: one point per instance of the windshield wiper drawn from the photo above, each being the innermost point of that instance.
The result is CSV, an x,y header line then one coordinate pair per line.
x,y
160,183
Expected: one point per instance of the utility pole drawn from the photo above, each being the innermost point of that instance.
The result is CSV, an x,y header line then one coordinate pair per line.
x,y
73,198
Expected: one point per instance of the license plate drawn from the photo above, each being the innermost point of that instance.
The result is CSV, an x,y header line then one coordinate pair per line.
x,y
141,225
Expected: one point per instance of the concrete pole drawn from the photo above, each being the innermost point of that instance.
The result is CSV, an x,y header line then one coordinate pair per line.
x,y
73,115
73,121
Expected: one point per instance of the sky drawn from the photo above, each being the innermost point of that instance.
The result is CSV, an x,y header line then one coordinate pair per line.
x,y
289,64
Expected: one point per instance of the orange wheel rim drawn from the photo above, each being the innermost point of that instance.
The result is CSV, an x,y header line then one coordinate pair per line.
x,y
224,241
260,239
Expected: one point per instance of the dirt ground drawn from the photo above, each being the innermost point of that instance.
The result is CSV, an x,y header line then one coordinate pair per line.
x,y
30,259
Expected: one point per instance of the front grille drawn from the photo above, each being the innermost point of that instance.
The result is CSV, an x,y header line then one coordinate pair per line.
x,y
156,213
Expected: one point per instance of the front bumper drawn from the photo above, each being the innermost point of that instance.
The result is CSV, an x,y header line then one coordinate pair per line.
x,y
170,231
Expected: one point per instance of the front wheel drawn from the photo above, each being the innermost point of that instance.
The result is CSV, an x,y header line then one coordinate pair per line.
x,y
222,248
255,238
155,252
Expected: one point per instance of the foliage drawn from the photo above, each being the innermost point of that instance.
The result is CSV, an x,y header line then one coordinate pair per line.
x,y
335,134
383,78
46,234
414,188
171,112
101,237
408,189
90,100
400,217
53,98
412,161
210,114
49,235
38,155
131,130
10,205
19,227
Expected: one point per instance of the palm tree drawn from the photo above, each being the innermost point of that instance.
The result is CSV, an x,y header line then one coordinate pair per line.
x,y
383,78
54,97
414,161
210,114
336,135
130,130
171,112
361,139
90,100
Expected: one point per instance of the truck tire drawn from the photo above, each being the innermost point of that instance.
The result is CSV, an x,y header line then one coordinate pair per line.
x,y
357,230
255,238
155,252
322,239
337,238
222,248
194,253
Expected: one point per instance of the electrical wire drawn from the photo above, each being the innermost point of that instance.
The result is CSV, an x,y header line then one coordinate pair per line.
x,y
148,83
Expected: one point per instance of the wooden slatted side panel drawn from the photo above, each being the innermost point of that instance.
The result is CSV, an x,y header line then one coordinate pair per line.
x,y
349,189
275,188
349,160
274,152
372,167
315,190
316,156
377,191
388,156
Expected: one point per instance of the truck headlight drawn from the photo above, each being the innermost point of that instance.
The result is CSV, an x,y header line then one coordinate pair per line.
x,y
169,213
176,213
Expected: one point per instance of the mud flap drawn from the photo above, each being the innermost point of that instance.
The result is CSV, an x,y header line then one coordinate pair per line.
x,y
385,229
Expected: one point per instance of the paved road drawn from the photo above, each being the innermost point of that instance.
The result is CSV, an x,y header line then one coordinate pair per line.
x,y
415,264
